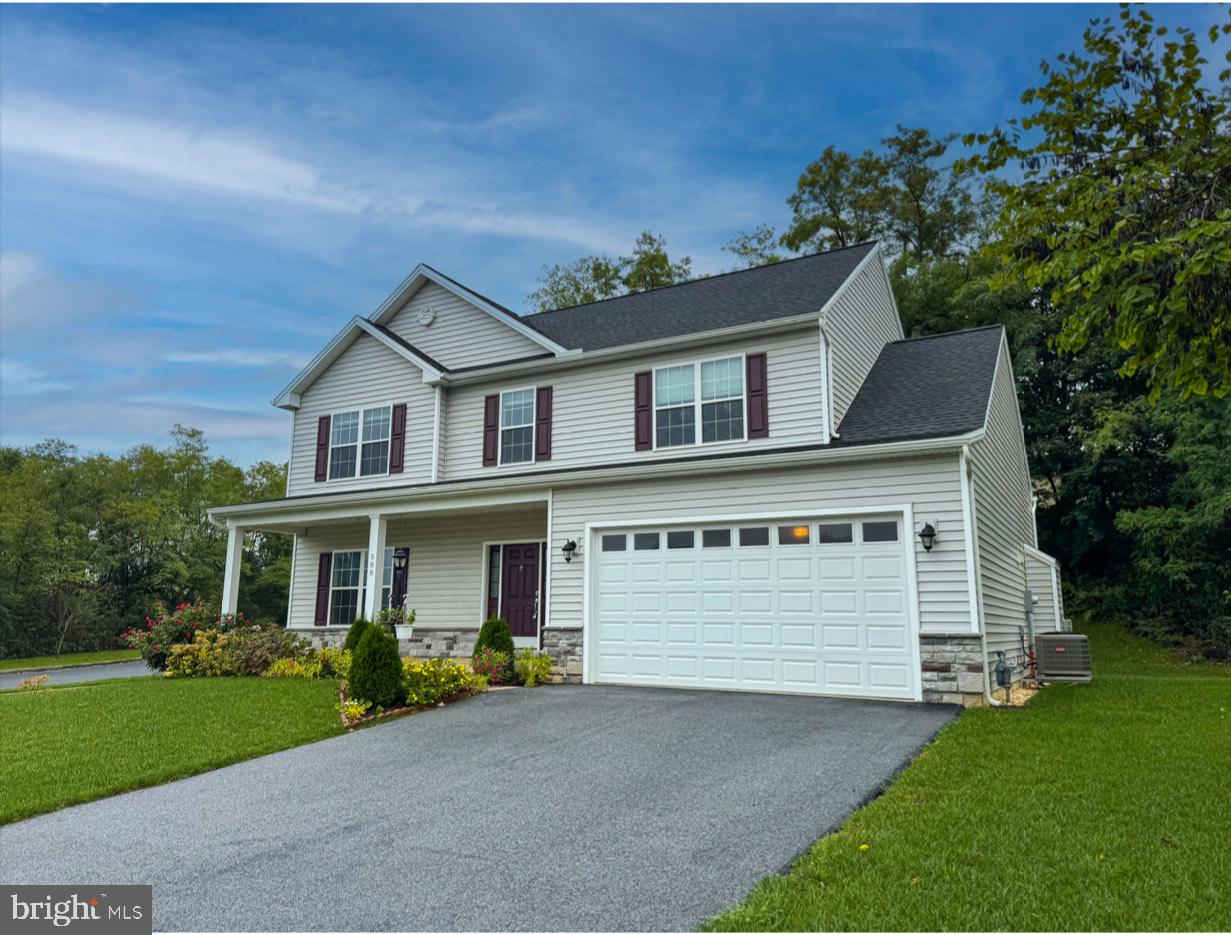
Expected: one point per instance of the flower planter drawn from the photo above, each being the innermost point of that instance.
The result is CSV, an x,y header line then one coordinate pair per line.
x,y
404,631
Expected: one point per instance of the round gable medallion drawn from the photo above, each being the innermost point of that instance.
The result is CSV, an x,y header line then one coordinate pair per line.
x,y
427,315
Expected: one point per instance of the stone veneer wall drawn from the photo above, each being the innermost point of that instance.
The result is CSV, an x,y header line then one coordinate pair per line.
x,y
424,644
564,647
952,669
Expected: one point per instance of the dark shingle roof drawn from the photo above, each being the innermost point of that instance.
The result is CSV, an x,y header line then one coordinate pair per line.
x,y
929,387
763,293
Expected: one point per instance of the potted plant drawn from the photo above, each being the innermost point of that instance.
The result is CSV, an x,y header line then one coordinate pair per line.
x,y
397,619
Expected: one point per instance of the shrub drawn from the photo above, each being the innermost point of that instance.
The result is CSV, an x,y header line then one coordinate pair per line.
x,y
353,710
532,668
166,630
376,670
428,681
211,653
294,669
494,634
335,663
256,650
495,666
355,634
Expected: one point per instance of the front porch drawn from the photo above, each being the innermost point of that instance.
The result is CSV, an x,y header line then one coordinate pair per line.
x,y
463,564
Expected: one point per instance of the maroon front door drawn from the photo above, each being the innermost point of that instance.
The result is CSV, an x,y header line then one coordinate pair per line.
x,y
519,589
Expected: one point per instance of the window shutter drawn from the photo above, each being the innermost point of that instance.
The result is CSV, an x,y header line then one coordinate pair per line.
x,y
322,589
758,397
643,409
397,439
491,429
542,425
322,448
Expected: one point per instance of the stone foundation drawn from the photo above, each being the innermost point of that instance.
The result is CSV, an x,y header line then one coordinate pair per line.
x,y
434,643
564,647
323,636
952,669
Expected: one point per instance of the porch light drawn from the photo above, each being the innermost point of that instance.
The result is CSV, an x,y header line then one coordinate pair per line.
x,y
400,557
568,549
927,535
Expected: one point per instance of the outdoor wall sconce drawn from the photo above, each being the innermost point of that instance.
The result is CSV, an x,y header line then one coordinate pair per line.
x,y
927,535
400,557
568,549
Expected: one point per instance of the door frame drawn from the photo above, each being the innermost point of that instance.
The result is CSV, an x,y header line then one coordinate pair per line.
x,y
904,510
533,642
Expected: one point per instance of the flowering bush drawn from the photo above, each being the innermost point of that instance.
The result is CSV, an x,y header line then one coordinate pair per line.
x,y
335,663
493,665
294,669
428,681
532,668
353,709
211,653
163,631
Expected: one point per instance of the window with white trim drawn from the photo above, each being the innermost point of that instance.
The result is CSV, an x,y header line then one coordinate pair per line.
x,y
345,588
517,426
359,441
710,393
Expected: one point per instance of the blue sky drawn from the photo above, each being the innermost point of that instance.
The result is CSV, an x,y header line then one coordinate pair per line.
x,y
193,200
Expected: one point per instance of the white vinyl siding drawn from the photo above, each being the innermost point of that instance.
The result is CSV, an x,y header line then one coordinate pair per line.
x,y
1043,580
861,322
592,407
461,335
367,373
930,485
1004,521
447,568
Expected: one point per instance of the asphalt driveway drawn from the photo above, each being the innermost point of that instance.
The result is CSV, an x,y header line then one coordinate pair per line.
x,y
557,808
68,674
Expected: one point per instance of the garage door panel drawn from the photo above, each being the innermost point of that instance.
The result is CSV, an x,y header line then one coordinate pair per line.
x,y
827,617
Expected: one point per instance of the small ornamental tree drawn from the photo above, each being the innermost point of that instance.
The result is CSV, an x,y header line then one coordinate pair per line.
x,y
355,634
494,635
376,669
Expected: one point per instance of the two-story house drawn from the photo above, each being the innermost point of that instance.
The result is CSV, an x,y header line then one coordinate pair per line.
x,y
750,481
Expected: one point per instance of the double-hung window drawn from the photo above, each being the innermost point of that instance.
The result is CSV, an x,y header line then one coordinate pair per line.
x,y
517,426
345,588
359,442
710,393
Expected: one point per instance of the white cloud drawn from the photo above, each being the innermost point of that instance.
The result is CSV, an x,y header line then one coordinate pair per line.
x,y
223,161
20,379
232,357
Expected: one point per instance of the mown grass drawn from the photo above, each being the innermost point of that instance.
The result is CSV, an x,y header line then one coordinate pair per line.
x,y
1096,807
82,742
68,659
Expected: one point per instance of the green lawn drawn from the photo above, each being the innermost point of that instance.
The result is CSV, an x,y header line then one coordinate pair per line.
x,y
1096,807
68,659
82,742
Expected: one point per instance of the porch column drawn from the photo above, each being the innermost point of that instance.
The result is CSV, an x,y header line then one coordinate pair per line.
x,y
230,575
376,566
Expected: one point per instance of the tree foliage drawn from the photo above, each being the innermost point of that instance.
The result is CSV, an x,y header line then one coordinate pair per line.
x,y
92,545
591,278
1123,210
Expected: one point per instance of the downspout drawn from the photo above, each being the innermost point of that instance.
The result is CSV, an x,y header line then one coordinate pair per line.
x,y
436,432
968,507
828,430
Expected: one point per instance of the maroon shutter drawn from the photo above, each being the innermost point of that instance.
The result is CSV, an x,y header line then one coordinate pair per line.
x,y
491,429
322,448
758,397
542,425
643,410
397,439
322,589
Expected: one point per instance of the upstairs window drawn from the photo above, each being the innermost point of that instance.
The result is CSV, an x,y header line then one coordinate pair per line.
x,y
359,441
517,426
710,393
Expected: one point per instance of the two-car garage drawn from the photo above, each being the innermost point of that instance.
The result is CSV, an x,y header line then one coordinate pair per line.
x,y
820,605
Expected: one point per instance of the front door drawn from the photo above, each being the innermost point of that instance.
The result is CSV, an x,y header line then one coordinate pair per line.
x,y
519,589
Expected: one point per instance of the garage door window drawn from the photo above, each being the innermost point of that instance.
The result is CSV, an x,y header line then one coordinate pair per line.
x,y
833,533
716,538
645,541
799,534
615,543
683,539
754,535
880,532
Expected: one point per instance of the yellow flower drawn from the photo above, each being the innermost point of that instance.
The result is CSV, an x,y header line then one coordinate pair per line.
x,y
914,881
864,847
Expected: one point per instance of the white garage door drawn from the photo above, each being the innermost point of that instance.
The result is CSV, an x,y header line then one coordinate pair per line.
x,y
818,606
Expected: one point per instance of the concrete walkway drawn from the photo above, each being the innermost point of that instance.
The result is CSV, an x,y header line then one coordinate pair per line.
x,y
555,808
70,674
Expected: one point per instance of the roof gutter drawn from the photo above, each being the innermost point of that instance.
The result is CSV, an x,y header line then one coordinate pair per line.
x,y
573,477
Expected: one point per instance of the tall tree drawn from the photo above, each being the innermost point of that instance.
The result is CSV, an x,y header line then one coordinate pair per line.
x,y
839,201
592,278
926,204
1123,210
650,267
757,247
